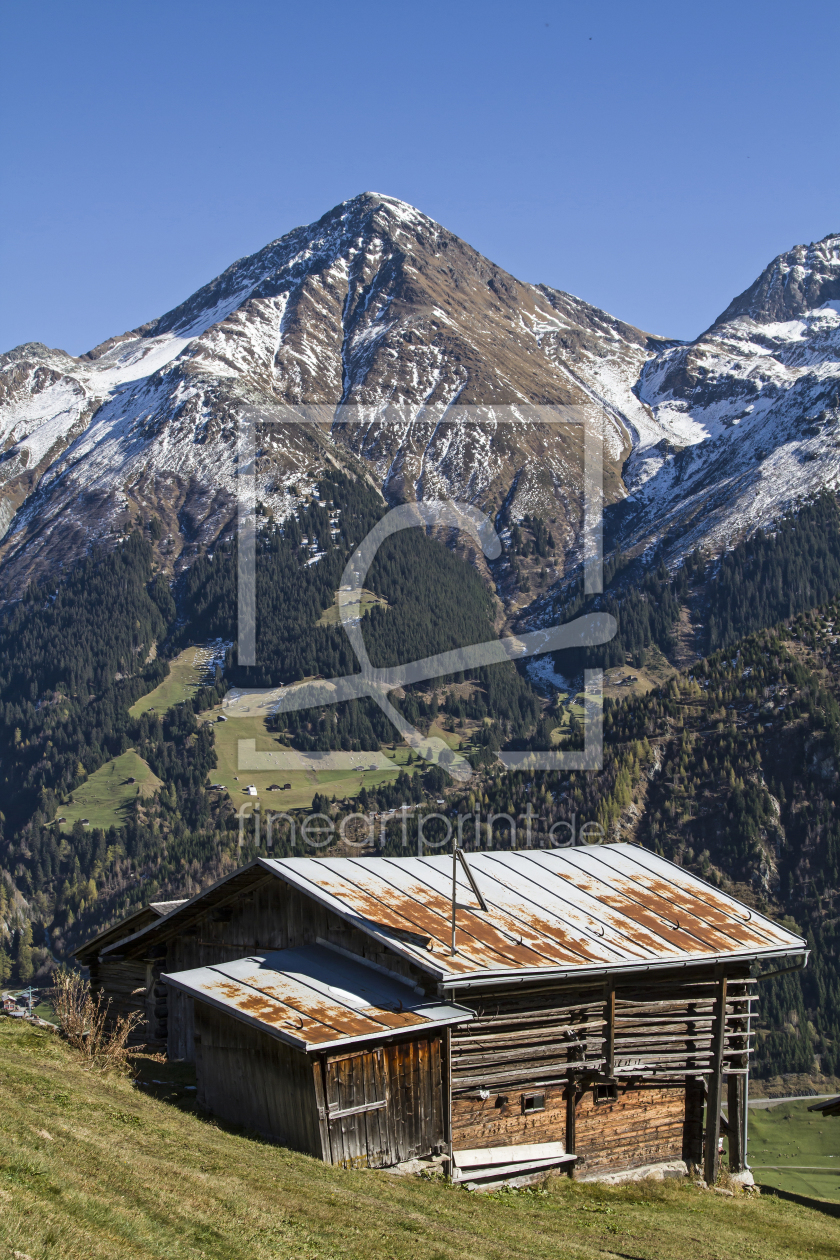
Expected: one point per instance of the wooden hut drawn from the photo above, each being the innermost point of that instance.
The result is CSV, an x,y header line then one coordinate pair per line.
x,y
579,1006
128,984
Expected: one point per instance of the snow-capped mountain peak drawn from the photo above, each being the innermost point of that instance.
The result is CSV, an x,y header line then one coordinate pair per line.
x,y
376,305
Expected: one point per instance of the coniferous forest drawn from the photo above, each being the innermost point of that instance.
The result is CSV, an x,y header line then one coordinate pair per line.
x,y
730,767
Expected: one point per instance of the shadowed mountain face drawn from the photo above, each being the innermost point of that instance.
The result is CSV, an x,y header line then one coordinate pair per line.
x,y
380,322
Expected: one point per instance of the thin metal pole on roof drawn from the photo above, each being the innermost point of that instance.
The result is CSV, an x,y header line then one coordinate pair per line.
x,y
458,855
454,883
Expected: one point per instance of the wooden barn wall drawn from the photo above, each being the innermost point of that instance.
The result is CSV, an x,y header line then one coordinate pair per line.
x,y
407,1077
180,1026
271,916
523,1040
125,985
655,1032
499,1120
250,1078
644,1126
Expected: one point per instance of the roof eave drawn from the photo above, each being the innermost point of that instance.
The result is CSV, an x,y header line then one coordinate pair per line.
x,y
511,975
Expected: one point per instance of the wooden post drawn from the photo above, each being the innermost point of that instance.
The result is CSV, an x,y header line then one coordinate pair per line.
x,y
318,1074
571,1103
713,1098
609,1046
447,1094
736,1097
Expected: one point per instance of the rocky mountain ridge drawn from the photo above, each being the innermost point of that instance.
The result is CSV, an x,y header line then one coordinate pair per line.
x,y
385,326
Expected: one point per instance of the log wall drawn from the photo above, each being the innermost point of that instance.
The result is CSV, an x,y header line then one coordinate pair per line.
x,y
652,1037
500,1121
645,1125
526,1039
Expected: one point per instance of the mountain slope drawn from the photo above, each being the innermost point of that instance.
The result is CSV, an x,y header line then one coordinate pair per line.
x,y
757,401
117,1173
373,305
378,321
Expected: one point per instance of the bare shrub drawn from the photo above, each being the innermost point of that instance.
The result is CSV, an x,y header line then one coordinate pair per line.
x,y
85,1023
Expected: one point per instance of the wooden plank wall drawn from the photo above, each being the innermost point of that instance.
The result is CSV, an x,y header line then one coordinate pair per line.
x,y
407,1077
644,1126
125,985
250,1078
180,1026
655,1033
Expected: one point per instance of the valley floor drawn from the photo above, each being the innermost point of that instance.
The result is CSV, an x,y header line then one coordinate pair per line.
x,y
95,1166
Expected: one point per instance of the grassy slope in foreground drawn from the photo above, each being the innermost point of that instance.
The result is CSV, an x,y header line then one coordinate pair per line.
x,y
125,1175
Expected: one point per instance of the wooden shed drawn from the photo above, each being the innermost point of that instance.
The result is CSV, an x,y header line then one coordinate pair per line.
x,y
578,1006
128,984
334,1057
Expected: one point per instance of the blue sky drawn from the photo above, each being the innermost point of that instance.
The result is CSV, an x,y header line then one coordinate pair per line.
x,y
649,157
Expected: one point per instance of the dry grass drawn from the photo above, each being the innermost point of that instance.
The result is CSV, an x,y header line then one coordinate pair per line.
x,y
85,1024
92,1168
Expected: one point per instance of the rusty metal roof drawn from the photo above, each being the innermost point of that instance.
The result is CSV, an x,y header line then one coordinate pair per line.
x,y
313,997
570,911
573,910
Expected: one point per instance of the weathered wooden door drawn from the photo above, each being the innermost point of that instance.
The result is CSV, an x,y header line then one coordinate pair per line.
x,y
356,1096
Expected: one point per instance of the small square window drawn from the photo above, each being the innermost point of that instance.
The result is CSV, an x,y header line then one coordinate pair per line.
x,y
533,1102
606,1092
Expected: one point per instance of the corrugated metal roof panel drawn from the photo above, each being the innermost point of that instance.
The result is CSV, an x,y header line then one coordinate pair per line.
x,y
549,911
598,907
314,998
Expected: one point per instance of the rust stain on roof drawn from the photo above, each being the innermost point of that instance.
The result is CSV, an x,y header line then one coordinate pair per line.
x,y
583,907
722,919
301,994
622,903
495,939
642,912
